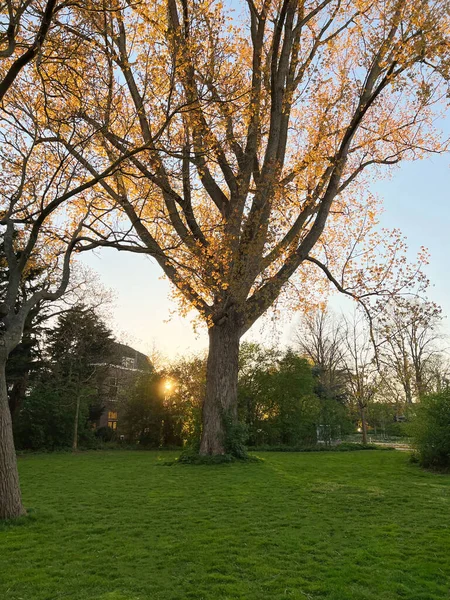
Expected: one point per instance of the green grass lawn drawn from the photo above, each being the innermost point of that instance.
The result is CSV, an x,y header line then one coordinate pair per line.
x,y
118,526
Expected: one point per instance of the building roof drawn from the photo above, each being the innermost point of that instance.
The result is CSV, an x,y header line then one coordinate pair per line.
x,y
121,351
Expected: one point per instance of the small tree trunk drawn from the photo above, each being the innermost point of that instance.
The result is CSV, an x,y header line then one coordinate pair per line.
x,y
221,386
17,395
10,496
408,392
421,388
362,411
75,423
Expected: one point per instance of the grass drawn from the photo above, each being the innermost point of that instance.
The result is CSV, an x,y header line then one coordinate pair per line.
x,y
118,526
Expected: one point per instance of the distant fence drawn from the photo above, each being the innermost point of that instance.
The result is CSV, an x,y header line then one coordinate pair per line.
x,y
400,442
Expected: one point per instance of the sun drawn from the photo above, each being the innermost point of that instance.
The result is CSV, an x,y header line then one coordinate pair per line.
x,y
168,385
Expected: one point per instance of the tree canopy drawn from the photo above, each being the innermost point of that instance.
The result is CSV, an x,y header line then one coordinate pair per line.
x,y
240,142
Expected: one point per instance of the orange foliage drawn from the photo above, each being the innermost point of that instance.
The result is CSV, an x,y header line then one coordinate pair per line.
x,y
248,137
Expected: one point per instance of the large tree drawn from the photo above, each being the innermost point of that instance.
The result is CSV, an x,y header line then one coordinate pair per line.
x,y
257,134
39,230
24,28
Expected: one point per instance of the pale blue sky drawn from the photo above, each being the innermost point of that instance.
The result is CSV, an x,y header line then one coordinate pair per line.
x,y
416,201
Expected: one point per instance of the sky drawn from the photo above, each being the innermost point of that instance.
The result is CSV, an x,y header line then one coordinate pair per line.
x,y
416,200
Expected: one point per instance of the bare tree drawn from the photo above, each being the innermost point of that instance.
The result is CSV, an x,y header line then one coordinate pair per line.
x,y
343,350
359,364
408,343
319,337
438,373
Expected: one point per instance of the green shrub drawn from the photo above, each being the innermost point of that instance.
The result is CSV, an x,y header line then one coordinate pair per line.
x,y
431,431
396,429
105,434
190,457
235,437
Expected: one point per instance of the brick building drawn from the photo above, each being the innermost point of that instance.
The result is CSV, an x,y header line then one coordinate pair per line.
x,y
117,379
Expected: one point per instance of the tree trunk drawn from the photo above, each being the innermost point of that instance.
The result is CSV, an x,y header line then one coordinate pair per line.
x,y
10,496
17,395
420,386
408,392
362,410
221,386
75,423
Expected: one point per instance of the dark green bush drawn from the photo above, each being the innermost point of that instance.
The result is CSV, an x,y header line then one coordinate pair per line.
x,y
235,437
189,457
431,431
396,429
105,434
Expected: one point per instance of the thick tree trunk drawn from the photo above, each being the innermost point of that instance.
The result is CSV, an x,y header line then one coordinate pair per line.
x,y
10,496
221,386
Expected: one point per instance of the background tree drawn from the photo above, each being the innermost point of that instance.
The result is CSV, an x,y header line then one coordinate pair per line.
x,y
360,367
78,347
25,359
256,364
408,343
319,337
276,397
334,422
296,407
142,416
187,393
251,148
56,411
439,373
382,417
155,414
38,225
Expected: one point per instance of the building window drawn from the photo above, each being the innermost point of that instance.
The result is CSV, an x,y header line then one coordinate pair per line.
x,y
128,362
112,425
113,386
112,414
